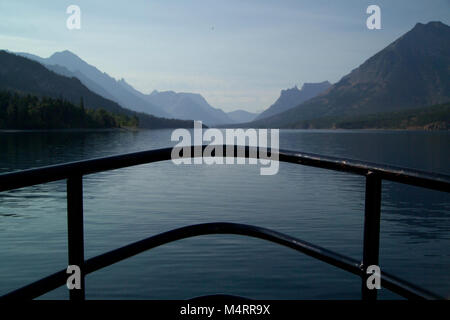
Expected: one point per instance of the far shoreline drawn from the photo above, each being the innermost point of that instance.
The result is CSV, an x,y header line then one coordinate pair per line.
x,y
69,130
221,128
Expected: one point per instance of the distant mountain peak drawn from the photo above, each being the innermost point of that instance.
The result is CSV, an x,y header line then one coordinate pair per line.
x,y
65,54
422,30
290,98
431,24
309,85
69,60
288,90
187,105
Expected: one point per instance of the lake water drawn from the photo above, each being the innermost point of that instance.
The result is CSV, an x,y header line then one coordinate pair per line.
x,y
316,205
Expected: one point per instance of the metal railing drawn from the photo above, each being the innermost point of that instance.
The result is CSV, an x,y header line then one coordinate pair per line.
x,y
73,172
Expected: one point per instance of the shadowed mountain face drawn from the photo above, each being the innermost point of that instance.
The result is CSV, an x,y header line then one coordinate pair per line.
x,y
189,106
291,98
68,64
413,71
22,75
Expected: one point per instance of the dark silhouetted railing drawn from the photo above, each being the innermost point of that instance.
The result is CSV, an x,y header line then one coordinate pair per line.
x,y
73,172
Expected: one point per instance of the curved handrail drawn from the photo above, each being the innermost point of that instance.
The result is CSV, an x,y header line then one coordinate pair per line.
x,y
58,279
374,174
29,177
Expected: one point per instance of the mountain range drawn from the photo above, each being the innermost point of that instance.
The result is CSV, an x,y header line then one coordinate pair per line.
x,y
411,72
189,106
168,104
25,76
70,65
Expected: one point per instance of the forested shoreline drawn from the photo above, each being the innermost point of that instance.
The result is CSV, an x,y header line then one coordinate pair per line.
x,y
26,111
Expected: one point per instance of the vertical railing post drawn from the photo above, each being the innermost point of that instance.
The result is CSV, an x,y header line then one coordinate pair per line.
x,y
371,231
75,230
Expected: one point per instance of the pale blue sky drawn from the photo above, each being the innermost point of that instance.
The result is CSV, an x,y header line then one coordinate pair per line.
x,y
237,54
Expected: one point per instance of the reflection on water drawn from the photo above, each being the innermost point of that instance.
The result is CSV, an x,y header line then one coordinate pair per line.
x,y
316,205
423,214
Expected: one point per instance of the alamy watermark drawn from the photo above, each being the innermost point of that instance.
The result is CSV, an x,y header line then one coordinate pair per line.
x,y
374,280
74,279
374,20
257,139
74,20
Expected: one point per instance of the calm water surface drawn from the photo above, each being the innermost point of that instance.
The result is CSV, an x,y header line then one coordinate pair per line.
x,y
316,205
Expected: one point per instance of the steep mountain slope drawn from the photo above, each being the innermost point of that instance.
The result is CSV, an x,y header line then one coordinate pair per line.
x,y
413,71
291,98
97,81
91,85
19,74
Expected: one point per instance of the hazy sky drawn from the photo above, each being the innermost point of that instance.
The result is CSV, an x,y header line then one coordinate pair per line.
x,y
237,54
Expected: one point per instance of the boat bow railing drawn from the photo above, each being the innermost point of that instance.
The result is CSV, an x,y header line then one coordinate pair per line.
x,y
73,172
